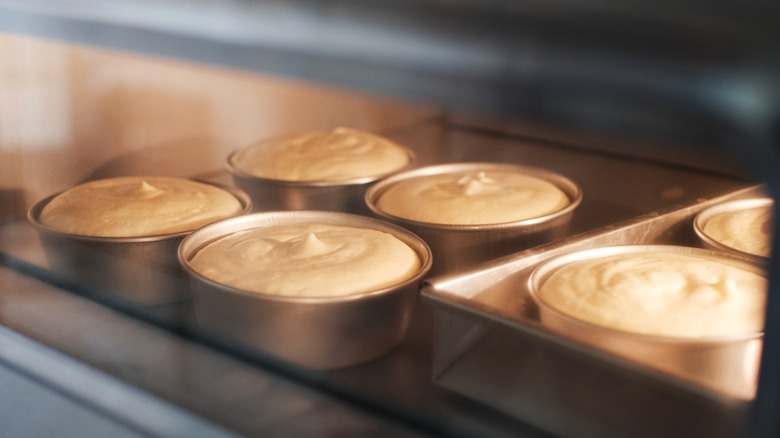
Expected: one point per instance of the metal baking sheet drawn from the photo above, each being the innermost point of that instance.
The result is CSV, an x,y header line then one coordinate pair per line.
x,y
491,346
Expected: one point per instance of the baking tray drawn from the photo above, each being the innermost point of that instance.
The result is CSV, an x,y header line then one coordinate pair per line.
x,y
490,345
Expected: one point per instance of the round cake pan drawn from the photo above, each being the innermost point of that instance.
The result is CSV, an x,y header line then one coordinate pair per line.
x,y
701,219
321,332
273,194
726,364
457,247
144,269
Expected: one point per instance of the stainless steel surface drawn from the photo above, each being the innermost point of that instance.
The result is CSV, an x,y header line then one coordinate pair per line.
x,y
318,332
647,70
157,381
270,194
84,402
726,364
700,222
141,269
491,346
457,247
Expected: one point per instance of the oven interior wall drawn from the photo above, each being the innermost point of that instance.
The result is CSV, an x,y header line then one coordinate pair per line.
x,y
72,113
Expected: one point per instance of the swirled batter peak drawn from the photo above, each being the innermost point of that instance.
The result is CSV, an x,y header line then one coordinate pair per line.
x,y
138,206
473,198
662,294
308,260
341,154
